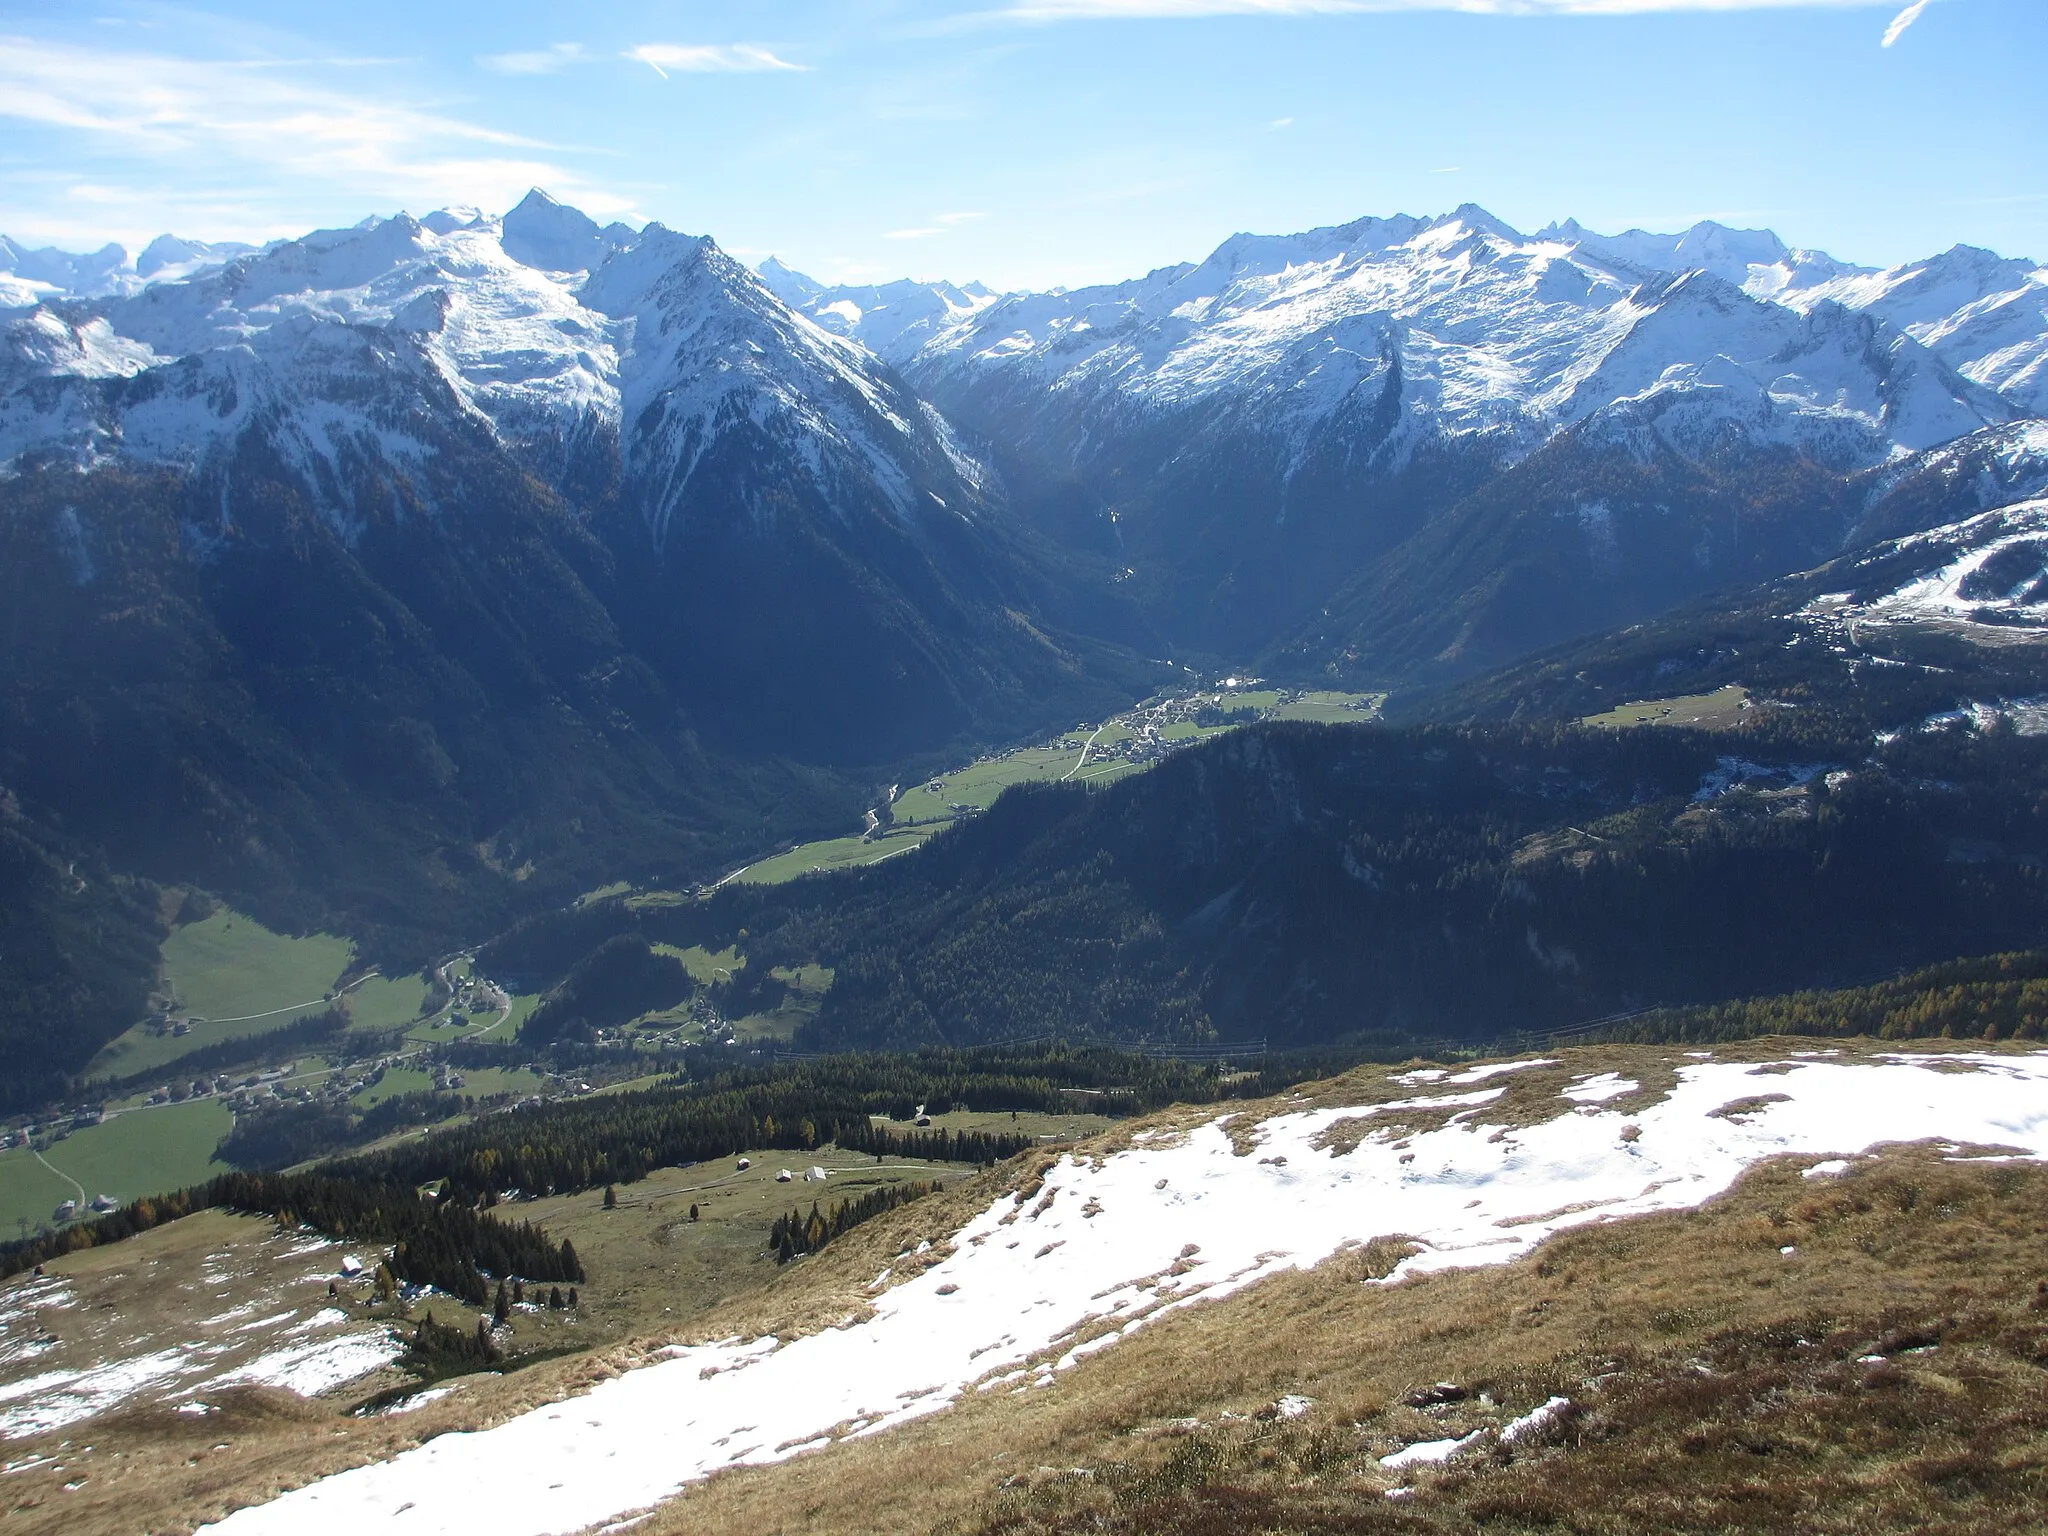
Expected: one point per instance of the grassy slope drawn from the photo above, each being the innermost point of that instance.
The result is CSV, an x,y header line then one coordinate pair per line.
x,y
833,853
1710,1415
1771,1436
145,1151
1678,1335
241,978
1722,707
29,1192
385,1002
923,808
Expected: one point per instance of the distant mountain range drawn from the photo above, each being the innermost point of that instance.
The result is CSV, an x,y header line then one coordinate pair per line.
x,y
408,576
1299,431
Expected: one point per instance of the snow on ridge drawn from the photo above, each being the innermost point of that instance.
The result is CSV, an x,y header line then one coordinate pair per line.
x,y
1033,1285
1483,330
1995,573
537,322
549,333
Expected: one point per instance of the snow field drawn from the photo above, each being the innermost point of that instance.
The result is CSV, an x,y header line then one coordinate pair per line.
x,y
1939,595
94,1359
1033,1285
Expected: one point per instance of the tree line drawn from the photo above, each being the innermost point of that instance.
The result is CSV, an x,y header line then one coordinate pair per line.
x,y
583,1144
432,1240
797,1234
1992,997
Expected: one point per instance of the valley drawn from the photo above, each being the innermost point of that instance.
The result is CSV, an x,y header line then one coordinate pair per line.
x,y
1089,754
638,889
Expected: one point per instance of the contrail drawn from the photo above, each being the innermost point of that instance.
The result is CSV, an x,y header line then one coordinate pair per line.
x,y
1903,20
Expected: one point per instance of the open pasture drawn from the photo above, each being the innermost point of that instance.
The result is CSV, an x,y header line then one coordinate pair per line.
x,y
833,853
807,985
144,1151
651,1267
1332,708
979,783
1705,711
233,978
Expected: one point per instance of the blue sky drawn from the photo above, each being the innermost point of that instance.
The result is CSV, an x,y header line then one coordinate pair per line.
x,y
1033,142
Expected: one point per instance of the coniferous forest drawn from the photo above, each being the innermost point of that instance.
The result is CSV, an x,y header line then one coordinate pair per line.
x,y
1309,886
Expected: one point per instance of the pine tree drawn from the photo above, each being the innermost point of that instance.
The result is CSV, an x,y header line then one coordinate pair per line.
x,y
501,1308
518,1291
693,1213
554,1298
573,1302
572,1267
611,1198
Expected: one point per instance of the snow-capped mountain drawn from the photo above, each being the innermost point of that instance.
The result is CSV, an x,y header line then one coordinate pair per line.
x,y
892,319
776,531
28,276
1232,446
556,338
1235,433
1984,315
1461,326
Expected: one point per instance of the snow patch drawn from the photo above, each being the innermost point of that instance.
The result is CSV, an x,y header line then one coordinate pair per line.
x,y
1425,1453
1467,1199
1599,1089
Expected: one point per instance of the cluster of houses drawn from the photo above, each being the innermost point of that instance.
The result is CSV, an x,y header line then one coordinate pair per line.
x,y
64,1124
70,1210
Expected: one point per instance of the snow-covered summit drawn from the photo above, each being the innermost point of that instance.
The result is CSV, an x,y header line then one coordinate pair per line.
x,y
1462,325
557,238
891,319
1754,260
1355,343
553,336
29,276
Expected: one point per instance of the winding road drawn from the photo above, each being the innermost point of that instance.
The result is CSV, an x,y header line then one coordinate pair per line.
x,y
1082,761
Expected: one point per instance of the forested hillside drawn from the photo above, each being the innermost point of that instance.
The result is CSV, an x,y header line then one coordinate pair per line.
x,y
1308,884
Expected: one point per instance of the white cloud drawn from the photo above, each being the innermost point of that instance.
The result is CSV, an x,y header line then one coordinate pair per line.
x,y
941,223
535,61
708,58
174,133
1278,123
1903,20
1169,10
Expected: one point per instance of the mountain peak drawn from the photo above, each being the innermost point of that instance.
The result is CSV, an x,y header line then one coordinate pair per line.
x,y
788,284
445,221
545,233
1479,221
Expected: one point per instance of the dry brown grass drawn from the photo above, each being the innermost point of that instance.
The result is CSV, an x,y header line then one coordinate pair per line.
x,y
1676,1334
1717,1383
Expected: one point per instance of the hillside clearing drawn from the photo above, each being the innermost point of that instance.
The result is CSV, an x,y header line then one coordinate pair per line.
x,y
229,978
1707,711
